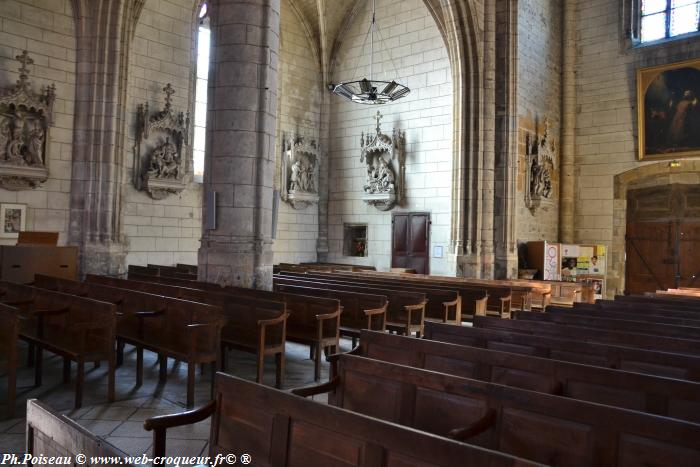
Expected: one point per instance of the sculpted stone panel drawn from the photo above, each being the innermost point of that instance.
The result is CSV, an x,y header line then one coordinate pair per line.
x,y
541,162
162,138
384,158
25,118
300,157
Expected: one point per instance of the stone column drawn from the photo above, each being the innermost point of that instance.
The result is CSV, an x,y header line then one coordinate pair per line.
x,y
568,128
240,154
104,34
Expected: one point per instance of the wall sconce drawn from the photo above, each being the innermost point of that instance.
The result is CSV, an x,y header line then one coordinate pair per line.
x,y
674,164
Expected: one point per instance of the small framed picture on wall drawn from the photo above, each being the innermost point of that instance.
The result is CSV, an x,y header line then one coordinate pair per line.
x,y
14,219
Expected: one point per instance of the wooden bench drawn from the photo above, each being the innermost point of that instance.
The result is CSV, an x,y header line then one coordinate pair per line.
x,y
174,271
405,311
590,334
651,362
635,391
442,305
279,429
679,301
653,315
251,325
614,324
172,328
539,427
51,434
9,333
473,300
188,268
360,311
76,328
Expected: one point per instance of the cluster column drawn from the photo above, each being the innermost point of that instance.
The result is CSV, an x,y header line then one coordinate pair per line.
x,y
241,124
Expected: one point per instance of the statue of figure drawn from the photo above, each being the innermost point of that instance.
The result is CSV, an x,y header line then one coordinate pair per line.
x,y
311,187
35,148
5,134
164,163
296,168
14,149
535,177
386,177
304,178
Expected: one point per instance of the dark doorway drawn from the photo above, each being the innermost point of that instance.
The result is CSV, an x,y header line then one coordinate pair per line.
x,y
662,238
410,241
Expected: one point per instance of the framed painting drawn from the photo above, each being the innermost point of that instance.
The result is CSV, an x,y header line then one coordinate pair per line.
x,y
14,219
669,110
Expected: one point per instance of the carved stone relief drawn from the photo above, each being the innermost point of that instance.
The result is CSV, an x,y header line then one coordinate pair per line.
x,y
300,157
161,141
384,159
25,119
541,160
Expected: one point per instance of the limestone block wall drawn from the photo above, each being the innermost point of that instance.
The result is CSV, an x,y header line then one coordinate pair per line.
x,y
539,97
47,31
419,53
299,111
606,120
165,231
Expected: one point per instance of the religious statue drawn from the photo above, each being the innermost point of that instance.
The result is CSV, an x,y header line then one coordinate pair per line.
x,y
298,171
164,161
383,156
25,122
541,157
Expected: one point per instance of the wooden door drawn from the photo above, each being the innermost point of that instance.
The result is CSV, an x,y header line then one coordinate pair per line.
x,y
662,255
410,241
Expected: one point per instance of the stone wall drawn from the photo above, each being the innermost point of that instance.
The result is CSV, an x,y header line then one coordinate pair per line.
x,y
299,111
539,98
47,31
606,120
419,53
165,231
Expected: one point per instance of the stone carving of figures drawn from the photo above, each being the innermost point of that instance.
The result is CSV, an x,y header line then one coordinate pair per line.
x,y
535,177
296,169
5,135
304,178
14,149
164,163
35,148
386,177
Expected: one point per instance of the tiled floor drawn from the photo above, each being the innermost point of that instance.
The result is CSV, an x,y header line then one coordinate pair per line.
x,y
121,422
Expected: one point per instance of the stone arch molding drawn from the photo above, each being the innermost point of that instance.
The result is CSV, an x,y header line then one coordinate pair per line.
x,y
646,176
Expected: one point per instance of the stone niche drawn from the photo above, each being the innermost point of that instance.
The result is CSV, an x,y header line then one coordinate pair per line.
x,y
161,142
25,120
384,159
300,158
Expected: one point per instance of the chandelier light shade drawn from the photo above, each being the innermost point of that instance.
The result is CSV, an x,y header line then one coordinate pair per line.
x,y
368,90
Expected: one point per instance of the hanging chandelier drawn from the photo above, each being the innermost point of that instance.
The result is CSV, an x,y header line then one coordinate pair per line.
x,y
367,90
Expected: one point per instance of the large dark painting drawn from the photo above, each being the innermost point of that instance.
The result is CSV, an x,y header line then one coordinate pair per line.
x,y
669,110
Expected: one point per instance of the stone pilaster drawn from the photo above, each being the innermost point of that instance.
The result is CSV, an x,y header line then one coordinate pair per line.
x,y
240,161
104,30
567,219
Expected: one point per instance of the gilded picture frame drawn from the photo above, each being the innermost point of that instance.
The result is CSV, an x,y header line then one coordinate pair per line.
x,y
668,111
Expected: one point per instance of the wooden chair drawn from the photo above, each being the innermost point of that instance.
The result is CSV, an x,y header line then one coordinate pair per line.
x,y
278,429
9,333
50,434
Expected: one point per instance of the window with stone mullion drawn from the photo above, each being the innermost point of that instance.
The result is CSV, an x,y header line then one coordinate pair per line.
x,y
662,19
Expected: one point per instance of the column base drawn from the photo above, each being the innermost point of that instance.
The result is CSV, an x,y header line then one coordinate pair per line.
x,y
234,263
103,259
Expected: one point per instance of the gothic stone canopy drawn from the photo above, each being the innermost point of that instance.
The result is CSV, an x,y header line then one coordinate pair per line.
x,y
25,119
300,157
163,139
384,158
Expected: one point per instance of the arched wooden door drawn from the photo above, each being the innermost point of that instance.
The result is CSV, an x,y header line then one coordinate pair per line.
x,y
662,238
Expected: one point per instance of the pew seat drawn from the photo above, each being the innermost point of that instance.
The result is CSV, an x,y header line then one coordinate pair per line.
x,y
9,333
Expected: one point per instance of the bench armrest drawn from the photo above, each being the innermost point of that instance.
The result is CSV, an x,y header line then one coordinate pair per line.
x,y
263,324
450,305
159,425
376,312
149,313
309,391
320,319
478,427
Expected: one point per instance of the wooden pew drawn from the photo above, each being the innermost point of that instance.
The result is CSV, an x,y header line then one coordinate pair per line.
x,y
173,271
652,315
635,391
543,428
172,328
51,434
251,325
187,268
143,270
360,311
651,362
279,429
677,301
614,324
9,333
405,311
589,334
470,301
75,328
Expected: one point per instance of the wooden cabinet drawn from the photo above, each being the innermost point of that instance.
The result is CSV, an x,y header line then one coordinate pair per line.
x,y
20,263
